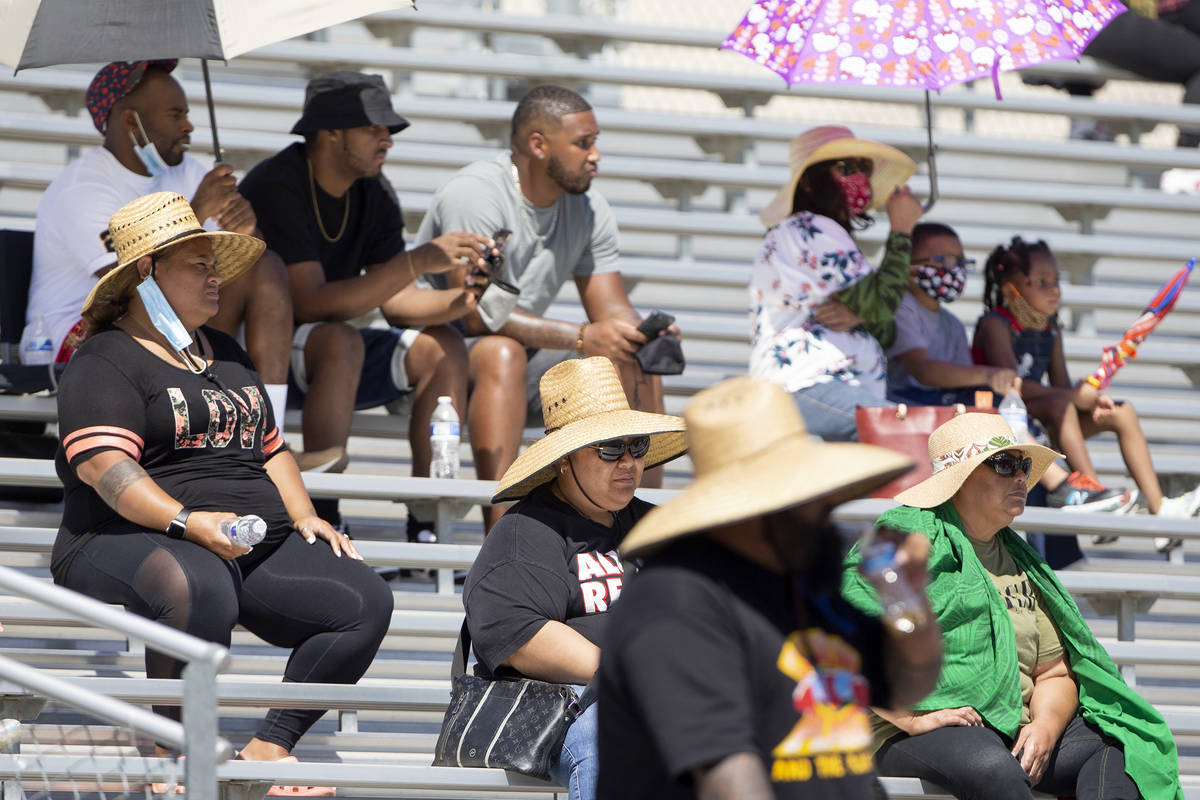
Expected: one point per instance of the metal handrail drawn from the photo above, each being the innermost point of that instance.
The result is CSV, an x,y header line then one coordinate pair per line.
x,y
160,637
199,741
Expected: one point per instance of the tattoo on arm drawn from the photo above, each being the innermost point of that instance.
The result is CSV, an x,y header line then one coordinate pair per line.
x,y
117,478
534,331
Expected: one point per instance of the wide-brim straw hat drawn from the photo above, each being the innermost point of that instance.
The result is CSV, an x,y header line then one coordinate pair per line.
x,y
891,168
583,403
960,445
752,456
153,223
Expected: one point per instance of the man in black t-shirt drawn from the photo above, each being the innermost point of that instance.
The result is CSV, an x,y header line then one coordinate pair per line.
x,y
732,668
324,205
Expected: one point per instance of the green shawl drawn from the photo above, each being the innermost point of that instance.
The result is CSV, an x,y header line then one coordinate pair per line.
x,y
979,667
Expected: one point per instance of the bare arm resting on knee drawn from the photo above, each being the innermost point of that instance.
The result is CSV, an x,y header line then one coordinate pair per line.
x,y
740,776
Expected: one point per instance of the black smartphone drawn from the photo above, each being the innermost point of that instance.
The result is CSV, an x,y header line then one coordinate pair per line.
x,y
496,261
653,324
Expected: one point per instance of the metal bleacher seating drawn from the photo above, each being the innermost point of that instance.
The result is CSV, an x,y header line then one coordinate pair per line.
x,y
686,188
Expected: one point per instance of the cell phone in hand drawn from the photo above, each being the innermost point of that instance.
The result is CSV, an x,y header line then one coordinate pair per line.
x,y
652,325
496,260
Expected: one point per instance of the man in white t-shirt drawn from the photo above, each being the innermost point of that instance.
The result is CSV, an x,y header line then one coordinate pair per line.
x,y
143,114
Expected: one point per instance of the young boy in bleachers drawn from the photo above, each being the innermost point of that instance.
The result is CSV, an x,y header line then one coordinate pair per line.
x,y
929,362
1020,331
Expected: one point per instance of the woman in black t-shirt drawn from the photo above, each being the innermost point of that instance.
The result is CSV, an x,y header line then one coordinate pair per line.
x,y
166,434
549,569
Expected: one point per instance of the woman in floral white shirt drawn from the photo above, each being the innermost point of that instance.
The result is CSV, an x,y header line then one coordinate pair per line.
x,y
821,314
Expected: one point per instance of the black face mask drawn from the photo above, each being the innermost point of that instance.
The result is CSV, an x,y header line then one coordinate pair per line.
x,y
814,552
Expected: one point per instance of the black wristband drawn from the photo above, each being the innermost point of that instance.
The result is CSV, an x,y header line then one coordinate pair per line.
x,y
177,527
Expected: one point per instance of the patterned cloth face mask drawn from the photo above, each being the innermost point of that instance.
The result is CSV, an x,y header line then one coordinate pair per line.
x,y
940,280
856,189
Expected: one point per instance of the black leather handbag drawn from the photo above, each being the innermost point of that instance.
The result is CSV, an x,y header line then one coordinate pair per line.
x,y
518,725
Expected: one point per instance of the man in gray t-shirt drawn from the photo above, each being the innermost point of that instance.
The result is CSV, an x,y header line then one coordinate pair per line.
x,y
560,229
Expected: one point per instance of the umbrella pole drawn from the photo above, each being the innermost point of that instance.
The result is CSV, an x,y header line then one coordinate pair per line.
x,y
212,112
931,159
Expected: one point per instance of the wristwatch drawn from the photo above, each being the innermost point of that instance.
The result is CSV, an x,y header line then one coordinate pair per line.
x,y
178,526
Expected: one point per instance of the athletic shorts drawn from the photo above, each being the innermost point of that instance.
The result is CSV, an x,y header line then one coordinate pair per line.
x,y
383,379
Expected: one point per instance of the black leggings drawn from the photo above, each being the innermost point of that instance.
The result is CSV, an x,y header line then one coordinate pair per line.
x,y
333,612
974,763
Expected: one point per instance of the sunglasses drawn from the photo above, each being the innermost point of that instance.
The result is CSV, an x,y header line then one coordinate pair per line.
x,y
946,262
614,450
853,166
1008,464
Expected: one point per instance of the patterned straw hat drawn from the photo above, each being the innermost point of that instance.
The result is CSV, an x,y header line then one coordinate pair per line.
x,y
958,446
892,168
148,225
583,403
752,455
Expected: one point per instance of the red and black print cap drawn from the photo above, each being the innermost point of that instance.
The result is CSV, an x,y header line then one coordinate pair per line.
x,y
114,82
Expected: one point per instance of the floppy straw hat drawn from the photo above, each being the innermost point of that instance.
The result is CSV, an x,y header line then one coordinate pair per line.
x,y
960,445
148,225
892,168
752,455
583,403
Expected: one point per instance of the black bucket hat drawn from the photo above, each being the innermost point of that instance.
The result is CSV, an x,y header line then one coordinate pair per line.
x,y
343,100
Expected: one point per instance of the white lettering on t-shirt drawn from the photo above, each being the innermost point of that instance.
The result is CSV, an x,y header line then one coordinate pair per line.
x,y
599,579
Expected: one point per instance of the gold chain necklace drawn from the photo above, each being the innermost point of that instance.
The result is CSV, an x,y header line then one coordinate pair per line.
x,y
312,188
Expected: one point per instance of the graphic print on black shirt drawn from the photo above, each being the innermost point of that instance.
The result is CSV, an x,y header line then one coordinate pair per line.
x,y
204,443
544,561
833,737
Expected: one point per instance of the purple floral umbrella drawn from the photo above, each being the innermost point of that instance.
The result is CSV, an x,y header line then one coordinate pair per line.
x,y
923,44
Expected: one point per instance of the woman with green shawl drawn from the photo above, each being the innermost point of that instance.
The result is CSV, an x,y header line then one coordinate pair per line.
x,y
1027,698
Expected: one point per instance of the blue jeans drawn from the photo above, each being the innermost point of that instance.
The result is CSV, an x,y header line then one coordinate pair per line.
x,y
828,409
577,766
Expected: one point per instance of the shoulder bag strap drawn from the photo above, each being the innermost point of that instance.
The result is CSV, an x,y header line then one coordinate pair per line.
x,y
462,650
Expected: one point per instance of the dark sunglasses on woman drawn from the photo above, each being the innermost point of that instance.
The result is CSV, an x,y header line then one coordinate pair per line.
x,y
1008,464
614,450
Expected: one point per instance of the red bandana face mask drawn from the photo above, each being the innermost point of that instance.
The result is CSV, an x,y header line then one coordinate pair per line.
x,y
856,189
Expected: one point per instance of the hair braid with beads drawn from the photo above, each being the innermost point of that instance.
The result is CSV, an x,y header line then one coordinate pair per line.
x,y
1003,266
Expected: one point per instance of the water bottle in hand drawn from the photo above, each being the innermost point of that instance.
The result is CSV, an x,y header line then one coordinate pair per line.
x,y
903,606
1012,408
247,530
37,348
444,438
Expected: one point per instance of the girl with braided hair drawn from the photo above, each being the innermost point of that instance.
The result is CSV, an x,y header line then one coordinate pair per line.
x,y
1020,330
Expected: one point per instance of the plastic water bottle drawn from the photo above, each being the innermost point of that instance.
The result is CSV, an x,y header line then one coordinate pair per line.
x,y
903,607
38,348
247,530
444,437
1012,408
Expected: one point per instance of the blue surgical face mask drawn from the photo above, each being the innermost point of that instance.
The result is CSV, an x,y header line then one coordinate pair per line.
x,y
162,316
147,153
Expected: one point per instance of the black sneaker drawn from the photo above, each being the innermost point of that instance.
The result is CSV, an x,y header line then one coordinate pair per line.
x,y
423,532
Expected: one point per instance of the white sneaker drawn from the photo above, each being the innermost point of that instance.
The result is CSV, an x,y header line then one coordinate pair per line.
x,y
1186,505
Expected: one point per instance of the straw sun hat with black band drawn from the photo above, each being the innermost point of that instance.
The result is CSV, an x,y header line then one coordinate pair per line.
x,y
752,456
151,224
960,445
583,403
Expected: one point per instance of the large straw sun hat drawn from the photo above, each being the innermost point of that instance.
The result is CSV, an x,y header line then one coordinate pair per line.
x,y
752,455
152,223
892,168
960,445
583,403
